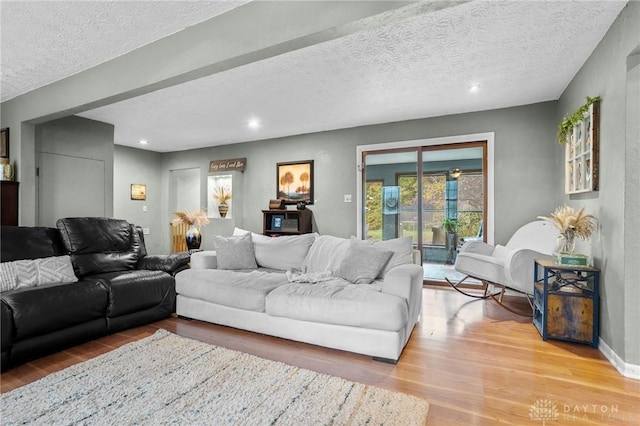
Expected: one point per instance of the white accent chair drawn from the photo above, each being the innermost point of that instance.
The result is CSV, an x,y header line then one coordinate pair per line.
x,y
508,267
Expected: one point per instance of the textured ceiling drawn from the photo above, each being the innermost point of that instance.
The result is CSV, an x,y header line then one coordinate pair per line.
x,y
518,52
45,41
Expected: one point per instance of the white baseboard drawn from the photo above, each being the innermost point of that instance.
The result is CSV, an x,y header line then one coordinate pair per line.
x,y
627,370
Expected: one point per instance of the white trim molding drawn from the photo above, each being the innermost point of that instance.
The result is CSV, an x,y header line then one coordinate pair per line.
x,y
446,140
630,371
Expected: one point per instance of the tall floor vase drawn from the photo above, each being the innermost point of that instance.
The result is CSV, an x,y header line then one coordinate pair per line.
x,y
193,238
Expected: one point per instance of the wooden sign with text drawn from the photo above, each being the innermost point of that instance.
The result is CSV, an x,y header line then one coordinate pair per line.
x,y
238,164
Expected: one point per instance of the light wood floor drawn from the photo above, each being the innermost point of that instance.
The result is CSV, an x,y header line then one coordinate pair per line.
x,y
475,363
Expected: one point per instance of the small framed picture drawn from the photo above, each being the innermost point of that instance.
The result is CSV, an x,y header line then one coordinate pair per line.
x,y
138,191
276,222
4,143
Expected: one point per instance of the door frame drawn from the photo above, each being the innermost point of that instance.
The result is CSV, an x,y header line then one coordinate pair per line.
x,y
489,137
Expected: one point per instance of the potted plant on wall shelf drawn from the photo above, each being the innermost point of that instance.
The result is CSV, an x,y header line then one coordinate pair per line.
x,y
221,195
570,121
194,220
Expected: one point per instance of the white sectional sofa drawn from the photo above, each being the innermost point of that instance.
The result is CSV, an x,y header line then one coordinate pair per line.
x,y
340,293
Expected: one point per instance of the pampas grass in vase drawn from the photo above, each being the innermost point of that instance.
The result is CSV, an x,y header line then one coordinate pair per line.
x,y
571,224
194,219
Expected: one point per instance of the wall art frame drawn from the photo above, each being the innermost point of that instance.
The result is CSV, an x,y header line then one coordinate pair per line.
x,y
4,143
294,182
138,191
582,153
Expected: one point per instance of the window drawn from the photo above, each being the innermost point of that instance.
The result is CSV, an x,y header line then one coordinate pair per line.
x,y
373,209
461,198
470,203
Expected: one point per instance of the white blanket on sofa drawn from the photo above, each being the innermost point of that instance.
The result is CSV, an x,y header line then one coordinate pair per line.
x,y
310,277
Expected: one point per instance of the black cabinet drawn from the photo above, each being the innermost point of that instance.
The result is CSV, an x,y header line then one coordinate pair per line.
x,y
9,203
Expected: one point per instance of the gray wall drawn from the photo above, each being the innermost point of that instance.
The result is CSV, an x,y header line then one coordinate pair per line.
x,y
223,42
615,245
524,163
139,166
79,137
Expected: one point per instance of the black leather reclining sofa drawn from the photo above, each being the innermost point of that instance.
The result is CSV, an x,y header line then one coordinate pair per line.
x,y
119,286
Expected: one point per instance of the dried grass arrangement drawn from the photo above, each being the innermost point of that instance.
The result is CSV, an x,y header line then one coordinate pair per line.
x,y
194,218
221,195
568,221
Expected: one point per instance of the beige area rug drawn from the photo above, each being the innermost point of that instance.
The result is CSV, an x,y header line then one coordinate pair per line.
x,y
168,379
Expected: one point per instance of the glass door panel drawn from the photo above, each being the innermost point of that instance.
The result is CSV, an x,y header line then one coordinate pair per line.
x,y
452,205
390,204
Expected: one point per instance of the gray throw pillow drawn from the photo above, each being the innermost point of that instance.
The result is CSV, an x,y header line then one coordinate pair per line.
x,y
8,276
235,252
362,262
402,249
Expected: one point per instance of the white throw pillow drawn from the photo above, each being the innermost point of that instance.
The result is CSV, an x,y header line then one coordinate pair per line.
x,y
402,249
36,272
235,252
325,254
238,232
362,262
284,253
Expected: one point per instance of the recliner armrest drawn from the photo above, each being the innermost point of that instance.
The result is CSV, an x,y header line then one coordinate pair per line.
x,y
171,263
478,247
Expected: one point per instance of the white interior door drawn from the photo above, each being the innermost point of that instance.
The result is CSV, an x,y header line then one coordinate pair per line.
x,y
69,187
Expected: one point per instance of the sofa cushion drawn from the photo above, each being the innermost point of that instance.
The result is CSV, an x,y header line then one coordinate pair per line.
x,y
238,289
325,254
99,244
48,308
133,291
30,242
402,249
35,272
338,302
481,266
283,253
235,252
362,263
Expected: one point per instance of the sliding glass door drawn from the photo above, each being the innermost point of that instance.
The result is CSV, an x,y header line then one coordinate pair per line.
x,y
443,209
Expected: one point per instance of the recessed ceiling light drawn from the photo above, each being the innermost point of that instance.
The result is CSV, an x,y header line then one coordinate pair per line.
x,y
474,88
253,123
144,141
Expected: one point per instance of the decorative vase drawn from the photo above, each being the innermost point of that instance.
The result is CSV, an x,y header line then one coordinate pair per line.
x,y
223,209
193,238
566,242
